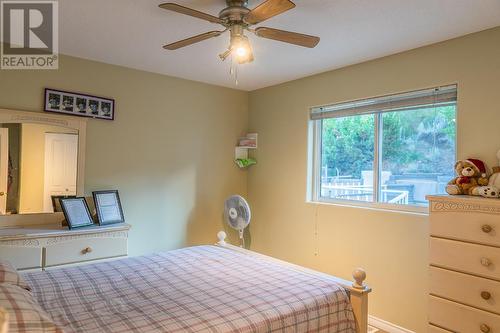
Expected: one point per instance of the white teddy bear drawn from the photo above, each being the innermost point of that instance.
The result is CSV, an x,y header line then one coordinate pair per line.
x,y
489,191
495,177
492,190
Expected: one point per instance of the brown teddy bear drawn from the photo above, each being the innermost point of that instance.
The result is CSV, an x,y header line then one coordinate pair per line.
x,y
471,174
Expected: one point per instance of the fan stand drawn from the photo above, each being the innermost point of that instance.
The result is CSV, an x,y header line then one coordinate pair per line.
x,y
242,239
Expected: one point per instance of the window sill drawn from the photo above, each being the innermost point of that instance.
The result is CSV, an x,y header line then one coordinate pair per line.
x,y
391,208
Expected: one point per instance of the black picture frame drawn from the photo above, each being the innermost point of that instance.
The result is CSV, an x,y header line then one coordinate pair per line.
x,y
78,104
56,204
76,211
108,207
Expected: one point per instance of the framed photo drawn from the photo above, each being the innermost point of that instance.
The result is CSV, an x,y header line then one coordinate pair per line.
x,y
56,204
68,103
77,104
81,105
108,207
76,212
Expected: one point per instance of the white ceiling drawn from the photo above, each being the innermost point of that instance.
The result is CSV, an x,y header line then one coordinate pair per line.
x,y
131,33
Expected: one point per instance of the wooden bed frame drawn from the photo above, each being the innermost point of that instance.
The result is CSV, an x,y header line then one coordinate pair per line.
x,y
4,321
358,291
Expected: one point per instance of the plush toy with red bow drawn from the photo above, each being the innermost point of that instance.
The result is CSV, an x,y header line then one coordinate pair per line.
x,y
471,174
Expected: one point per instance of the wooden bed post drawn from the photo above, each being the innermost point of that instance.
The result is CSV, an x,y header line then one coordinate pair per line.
x,y
4,321
359,299
221,236
358,291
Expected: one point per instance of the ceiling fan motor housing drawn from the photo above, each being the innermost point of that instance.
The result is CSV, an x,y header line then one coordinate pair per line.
x,y
234,14
237,3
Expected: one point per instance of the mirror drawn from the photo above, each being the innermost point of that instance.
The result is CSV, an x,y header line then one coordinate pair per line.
x,y
38,164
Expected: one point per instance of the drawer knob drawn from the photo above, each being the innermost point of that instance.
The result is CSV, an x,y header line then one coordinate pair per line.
x,y
485,328
486,228
485,295
485,262
87,250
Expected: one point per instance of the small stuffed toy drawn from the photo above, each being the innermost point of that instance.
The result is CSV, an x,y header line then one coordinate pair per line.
x,y
487,191
495,177
471,175
492,190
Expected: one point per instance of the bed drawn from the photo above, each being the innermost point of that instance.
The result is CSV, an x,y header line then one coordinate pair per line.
x,y
215,288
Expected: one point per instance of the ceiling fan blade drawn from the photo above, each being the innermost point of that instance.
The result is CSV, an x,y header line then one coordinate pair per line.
x,y
268,9
192,40
288,37
191,12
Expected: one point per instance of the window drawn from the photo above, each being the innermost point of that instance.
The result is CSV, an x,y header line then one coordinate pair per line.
x,y
385,151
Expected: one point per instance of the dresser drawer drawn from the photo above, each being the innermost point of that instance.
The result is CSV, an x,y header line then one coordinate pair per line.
x,y
467,289
460,318
469,258
22,257
473,227
435,329
78,250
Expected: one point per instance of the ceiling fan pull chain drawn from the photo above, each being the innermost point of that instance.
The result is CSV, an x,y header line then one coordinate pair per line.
x,y
231,67
236,74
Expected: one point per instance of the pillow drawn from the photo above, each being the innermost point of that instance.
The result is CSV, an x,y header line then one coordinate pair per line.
x,y
8,274
24,313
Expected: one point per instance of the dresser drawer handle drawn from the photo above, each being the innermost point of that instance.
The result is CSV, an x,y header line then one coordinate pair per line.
x,y
485,295
485,262
87,250
485,328
486,228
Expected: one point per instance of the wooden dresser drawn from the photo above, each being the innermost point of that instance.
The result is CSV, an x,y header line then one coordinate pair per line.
x,y
41,247
464,284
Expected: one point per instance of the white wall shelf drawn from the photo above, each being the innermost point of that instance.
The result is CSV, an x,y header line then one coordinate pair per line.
x,y
241,151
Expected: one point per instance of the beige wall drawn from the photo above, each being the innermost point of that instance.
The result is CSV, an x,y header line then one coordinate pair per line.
x,y
169,152
391,246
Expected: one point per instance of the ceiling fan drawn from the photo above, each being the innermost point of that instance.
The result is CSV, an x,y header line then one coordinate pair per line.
x,y
238,18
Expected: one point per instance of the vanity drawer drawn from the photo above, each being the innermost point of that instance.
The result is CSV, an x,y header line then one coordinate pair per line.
x,y
461,318
435,329
476,259
22,257
78,250
472,227
467,289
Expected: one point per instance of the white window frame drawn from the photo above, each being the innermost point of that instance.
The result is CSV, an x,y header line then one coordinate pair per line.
x,y
315,163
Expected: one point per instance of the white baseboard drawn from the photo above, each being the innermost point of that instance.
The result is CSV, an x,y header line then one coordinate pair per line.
x,y
386,326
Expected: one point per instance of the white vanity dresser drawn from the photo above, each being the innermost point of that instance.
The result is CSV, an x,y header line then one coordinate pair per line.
x,y
44,246
464,284
42,158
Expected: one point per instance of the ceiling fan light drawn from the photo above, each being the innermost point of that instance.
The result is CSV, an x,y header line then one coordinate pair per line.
x,y
242,50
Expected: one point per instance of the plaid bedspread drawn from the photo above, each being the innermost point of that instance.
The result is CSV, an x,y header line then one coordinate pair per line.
x,y
196,289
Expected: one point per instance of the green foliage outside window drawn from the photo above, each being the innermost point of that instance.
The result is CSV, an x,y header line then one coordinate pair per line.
x,y
420,141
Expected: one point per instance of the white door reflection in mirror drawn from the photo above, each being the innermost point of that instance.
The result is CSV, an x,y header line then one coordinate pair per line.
x,y
4,168
61,157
